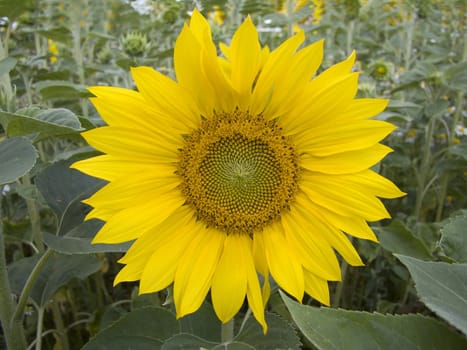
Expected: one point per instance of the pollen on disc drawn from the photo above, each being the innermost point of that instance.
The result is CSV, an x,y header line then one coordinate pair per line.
x,y
239,172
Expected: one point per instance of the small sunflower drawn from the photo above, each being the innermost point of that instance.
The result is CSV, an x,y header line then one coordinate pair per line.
x,y
246,164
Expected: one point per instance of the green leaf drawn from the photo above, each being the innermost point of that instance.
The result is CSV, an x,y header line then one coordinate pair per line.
x,y
61,185
58,270
60,34
332,329
185,341
13,9
203,323
397,238
459,150
6,65
456,76
72,243
61,89
44,123
280,335
453,240
233,346
144,328
17,157
442,287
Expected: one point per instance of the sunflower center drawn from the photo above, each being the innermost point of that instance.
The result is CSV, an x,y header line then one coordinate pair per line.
x,y
238,172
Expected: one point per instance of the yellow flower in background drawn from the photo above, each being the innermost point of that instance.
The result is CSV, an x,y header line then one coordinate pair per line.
x,y
318,11
53,51
217,15
246,164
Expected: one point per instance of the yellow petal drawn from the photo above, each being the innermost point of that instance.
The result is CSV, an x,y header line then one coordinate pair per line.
x,y
187,63
273,72
245,57
200,28
132,222
316,287
362,108
135,190
333,73
289,91
346,162
328,232
117,106
373,182
315,254
136,258
354,226
229,283
261,264
282,261
325,140
254,295
160,268
111,168
318,106
145,245
332,193
195,269
126,142
164,93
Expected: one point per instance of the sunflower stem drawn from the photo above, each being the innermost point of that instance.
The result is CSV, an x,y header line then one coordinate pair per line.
x,y
18,316
12,331
340,286
227,331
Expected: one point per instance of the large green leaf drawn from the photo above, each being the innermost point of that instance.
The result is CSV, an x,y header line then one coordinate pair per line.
x,y
186,341
58,270
78,241
13,9
144,328
17,157
280,335
61,185
7,64
43,123
456,76
397,238
442,287
333,329
454,238
61,89
203,323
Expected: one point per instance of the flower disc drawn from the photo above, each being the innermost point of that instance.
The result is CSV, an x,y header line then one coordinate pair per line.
x,y
238,172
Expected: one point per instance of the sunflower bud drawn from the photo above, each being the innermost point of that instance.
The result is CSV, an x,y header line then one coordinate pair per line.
x,y
380,70
134,43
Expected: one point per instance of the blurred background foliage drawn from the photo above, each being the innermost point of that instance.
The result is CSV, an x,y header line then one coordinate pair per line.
x,y
413,52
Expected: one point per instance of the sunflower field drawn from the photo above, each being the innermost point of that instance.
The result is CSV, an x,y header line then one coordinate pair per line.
x,y
221,174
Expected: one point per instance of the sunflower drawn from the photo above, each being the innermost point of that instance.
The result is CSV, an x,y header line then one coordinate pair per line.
x,y
248,164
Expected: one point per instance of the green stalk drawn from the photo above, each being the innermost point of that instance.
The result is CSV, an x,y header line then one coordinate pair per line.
x,y
62,331
408,43
340,286
77,48
227,332
349,39
40,324
451,136
18,316
34,216
424,170
5,82
12,331
290,6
